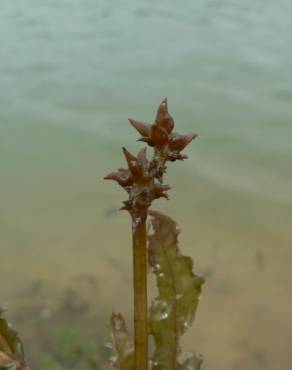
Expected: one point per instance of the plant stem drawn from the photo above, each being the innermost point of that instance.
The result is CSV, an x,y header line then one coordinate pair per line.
x,y
140,293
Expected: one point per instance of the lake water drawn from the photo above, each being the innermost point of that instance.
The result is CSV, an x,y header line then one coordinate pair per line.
x,y
71,73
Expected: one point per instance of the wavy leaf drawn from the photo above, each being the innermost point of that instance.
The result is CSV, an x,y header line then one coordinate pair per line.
x,y
179,289
121,344
11,348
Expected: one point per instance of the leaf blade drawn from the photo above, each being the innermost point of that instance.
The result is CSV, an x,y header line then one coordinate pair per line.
x,y
9,339
179,289
121,344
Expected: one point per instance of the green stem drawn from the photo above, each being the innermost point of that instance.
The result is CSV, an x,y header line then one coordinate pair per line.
x,y
140,293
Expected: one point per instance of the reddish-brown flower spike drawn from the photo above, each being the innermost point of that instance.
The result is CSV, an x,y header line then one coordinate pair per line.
x,y
157,133
160,135
163,118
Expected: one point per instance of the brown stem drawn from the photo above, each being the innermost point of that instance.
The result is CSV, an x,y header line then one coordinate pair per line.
x,y
140,293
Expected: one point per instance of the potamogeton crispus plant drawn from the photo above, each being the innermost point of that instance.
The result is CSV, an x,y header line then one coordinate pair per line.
x,y
11,348
173,311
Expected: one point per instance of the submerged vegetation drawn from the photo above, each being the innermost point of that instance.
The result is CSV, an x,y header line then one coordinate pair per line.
x,y
11,348
155,244
173,310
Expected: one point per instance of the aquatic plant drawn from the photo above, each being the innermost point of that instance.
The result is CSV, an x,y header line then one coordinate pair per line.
x,y
155,243
173,310
11,348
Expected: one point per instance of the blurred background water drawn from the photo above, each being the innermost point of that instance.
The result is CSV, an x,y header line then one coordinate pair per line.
x,y
71,73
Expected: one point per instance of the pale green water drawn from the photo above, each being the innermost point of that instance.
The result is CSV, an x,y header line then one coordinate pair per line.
x,y
72,72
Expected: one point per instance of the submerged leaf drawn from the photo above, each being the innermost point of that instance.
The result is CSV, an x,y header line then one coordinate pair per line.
x,y
11,348
10,342
173,311
122,345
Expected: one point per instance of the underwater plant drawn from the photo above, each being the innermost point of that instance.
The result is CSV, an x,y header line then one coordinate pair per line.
x,y
11,348
155,242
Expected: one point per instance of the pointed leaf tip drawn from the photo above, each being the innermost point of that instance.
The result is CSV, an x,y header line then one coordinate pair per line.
x,y
163,105
122,344
178,142
142,158
163,118
137,164
128,155
130,158
193,136
142,127
122,177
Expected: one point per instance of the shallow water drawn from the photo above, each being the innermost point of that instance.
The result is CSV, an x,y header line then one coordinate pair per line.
x,y
71,74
